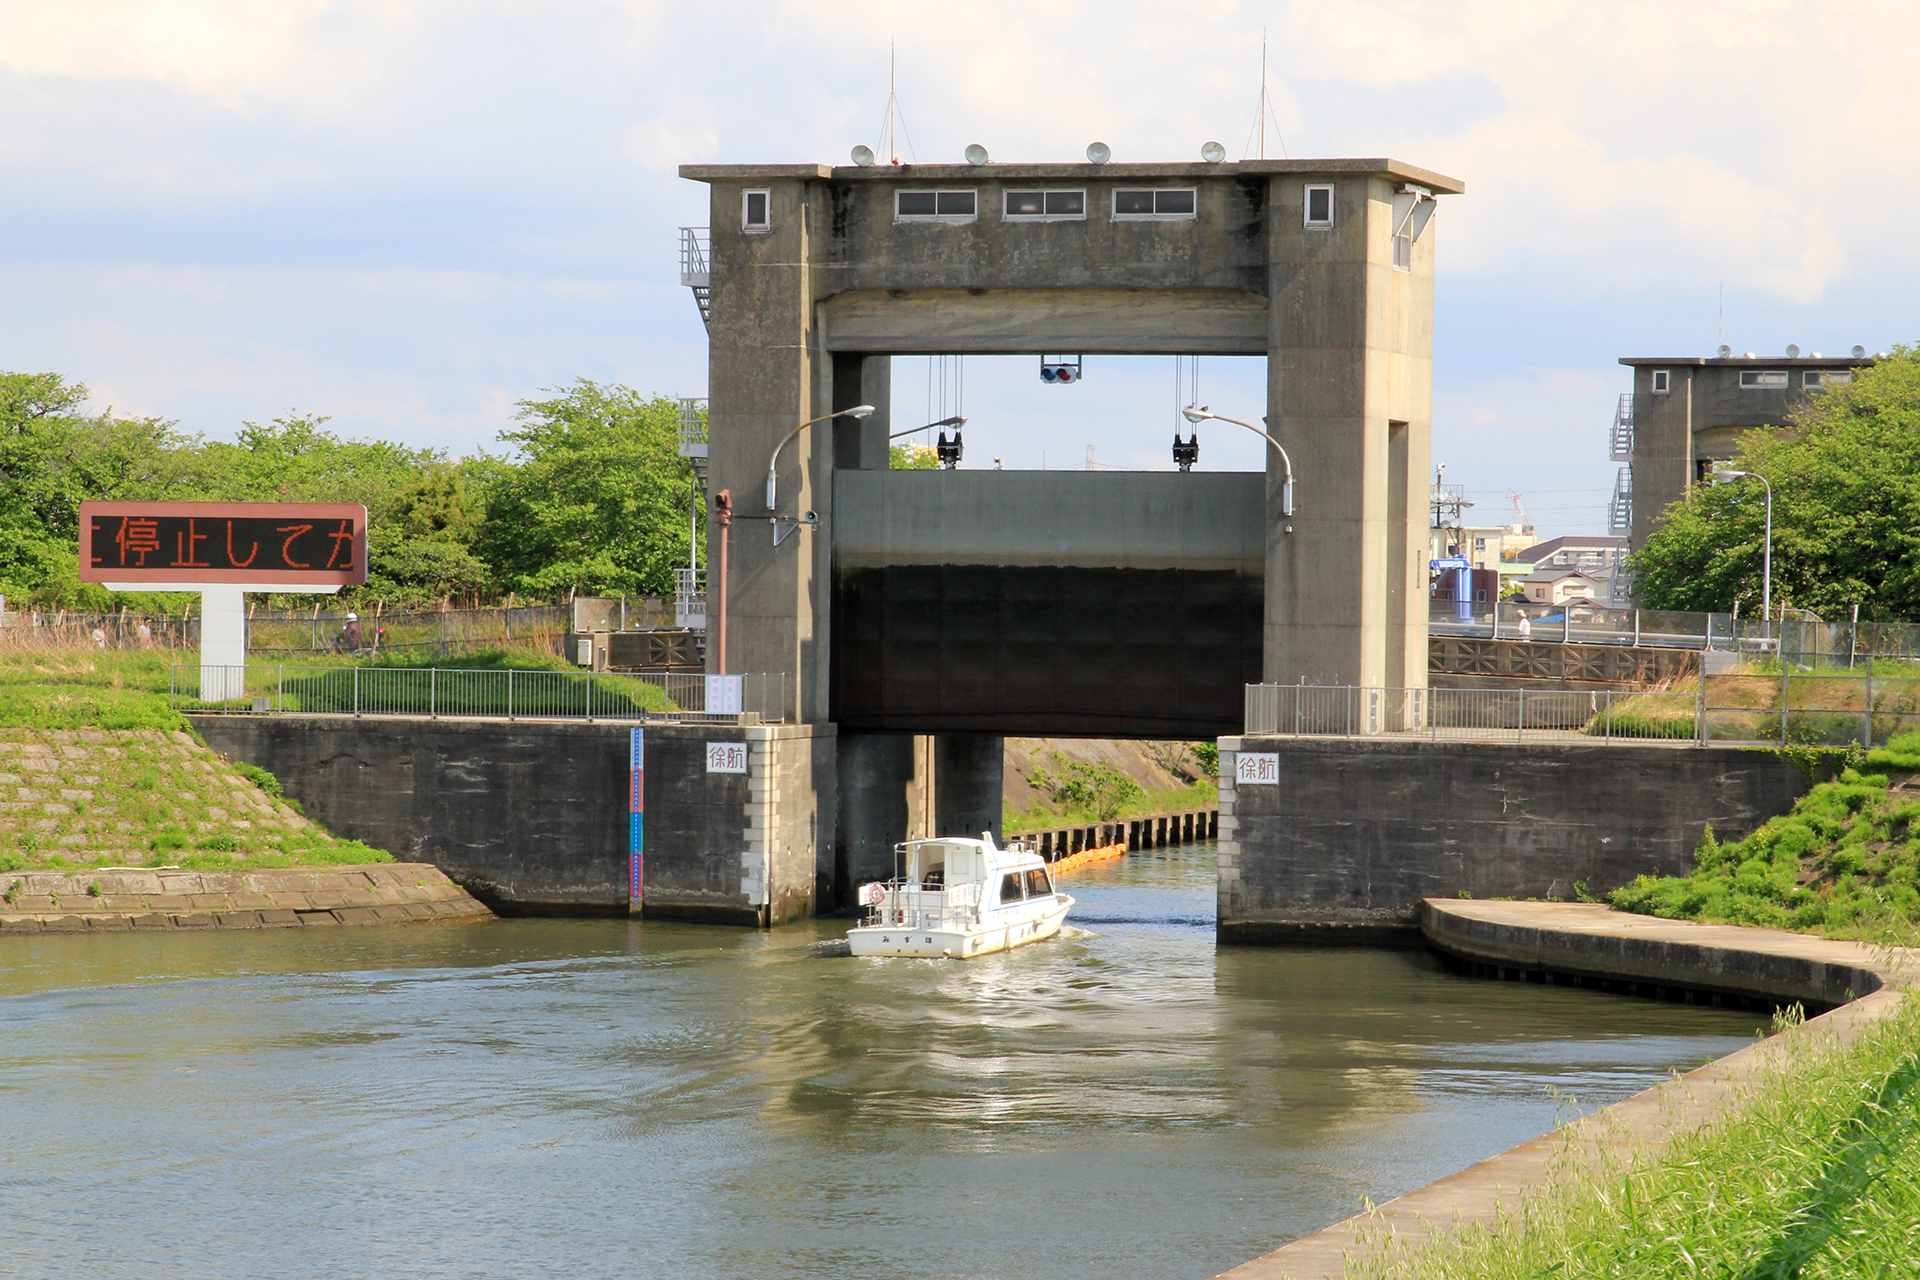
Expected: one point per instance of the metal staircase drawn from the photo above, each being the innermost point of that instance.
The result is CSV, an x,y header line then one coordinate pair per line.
x,y
1622,435
1620,509
695,269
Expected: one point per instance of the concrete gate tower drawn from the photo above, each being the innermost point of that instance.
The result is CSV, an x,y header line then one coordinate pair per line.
x,y
815,275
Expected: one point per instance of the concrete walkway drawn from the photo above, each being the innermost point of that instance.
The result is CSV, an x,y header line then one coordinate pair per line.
x,y
1550,941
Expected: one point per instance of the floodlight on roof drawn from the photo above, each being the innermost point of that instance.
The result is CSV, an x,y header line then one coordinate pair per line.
x,y
1858,352
1099,153
863,155
1793,351
976,154
1725,351
1212,152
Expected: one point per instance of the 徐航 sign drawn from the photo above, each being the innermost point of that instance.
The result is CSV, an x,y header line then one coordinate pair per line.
x,y
322,544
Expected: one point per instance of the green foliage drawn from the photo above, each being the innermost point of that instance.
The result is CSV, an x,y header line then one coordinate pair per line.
x,y
1846,510
600,502
1208,754
1844,862
260,778
596,500
912,457
1096,787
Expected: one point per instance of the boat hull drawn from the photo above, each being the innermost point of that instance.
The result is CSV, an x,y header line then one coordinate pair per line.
x,y
961,943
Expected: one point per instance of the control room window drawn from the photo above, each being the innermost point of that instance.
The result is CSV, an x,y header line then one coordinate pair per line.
x,y
1166,203
753,211
1763,379
935,206
1319,209
1037,206
1661,380
1825,377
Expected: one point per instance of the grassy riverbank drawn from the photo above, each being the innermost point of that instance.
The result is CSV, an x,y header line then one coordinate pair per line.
x,y
1845,862
97,770
1818,1175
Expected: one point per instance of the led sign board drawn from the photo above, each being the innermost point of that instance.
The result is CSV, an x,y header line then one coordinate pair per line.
x,y
320,544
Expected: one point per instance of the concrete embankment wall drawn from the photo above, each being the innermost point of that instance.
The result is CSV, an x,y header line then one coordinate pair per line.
x,y
1667,958
535,816
102,901
1353,834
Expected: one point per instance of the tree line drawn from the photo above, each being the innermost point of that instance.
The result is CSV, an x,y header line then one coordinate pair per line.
x,y
589,496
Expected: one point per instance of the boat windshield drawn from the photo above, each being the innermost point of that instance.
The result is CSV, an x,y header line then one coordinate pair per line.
x,y
1037,886
1010,887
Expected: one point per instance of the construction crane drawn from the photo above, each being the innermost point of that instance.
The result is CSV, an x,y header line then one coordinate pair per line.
x,y
1520,520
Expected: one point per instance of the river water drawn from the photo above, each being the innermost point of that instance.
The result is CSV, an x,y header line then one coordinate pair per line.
x,y
538,1098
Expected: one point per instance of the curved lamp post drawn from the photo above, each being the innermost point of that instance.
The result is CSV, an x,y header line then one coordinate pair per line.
x,y
957,420
1766,552
858,411
1202,414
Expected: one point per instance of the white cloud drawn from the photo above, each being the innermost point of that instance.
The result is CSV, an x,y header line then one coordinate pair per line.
x,y
410,213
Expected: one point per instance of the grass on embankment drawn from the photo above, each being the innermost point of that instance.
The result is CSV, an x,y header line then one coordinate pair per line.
x,y
1817,1175
1845,862
97,770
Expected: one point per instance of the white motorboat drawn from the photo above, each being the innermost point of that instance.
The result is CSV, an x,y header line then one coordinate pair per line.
x,y
959,898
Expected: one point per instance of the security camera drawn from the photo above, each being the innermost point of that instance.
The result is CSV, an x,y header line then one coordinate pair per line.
x,y
809,517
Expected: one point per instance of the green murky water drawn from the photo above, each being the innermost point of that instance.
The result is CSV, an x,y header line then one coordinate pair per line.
x,y
593,1098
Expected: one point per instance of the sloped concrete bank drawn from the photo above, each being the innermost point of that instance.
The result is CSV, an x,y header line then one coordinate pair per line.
x,y
293,897
1581,942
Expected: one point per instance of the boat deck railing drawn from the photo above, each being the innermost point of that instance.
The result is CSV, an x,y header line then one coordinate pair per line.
x,y
911,905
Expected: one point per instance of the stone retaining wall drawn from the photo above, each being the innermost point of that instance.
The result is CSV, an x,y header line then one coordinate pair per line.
x,y
91,901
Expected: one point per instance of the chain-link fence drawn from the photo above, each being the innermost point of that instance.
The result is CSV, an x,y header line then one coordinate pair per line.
x,y
58,629
424,631
532,695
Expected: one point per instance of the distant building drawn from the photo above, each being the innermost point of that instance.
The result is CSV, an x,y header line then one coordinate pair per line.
x,y
1602,557
1558,586
1483,546
1686,414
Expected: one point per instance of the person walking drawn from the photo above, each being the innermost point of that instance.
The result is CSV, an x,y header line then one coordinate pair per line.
x,y
1526,628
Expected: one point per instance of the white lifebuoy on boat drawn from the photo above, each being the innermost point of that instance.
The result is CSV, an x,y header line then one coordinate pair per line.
x,y
876,894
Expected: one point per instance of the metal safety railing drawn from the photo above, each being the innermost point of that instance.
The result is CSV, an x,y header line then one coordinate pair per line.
x,y
695,253
1767,703
514,695
1518,714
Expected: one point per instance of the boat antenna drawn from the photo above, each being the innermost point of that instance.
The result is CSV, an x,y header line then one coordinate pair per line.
x,y
1262,113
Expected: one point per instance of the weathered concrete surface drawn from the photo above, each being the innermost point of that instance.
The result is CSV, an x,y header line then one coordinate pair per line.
x,y
1700,418
834,277
101,901
1579,938
1358,831
534,816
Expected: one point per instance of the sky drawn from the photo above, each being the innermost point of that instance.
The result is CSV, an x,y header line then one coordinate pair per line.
x,y
408,215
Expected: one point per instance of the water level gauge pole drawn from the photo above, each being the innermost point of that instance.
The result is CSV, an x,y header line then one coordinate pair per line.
x,y
723,516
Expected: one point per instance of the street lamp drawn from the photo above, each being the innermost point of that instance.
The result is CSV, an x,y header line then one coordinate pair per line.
x,y
957,420
1202,413
1766,552
858,411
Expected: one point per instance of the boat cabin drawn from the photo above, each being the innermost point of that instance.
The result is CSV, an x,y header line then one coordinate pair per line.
x,y
971,867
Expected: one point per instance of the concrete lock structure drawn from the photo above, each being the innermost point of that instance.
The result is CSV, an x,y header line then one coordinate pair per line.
x,y
927,614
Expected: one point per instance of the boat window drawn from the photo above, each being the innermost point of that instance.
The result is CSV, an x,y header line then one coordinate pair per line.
x,y
935,876
1010,887
1037,886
